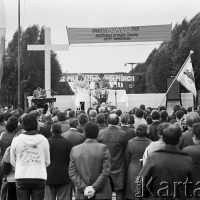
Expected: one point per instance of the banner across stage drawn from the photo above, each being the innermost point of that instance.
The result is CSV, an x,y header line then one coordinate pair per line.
x,y
84,96
120,34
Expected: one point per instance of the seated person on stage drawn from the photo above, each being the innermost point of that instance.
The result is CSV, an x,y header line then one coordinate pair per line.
x,y
80,83
102,83
38,94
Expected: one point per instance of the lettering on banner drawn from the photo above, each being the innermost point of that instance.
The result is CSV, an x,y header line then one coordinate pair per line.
x,y
121,33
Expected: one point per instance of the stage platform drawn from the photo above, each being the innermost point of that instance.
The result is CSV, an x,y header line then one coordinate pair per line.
x,y
133,100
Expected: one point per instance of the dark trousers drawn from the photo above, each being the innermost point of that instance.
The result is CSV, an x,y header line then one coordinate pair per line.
x,y
120,194
33,191
59,192
11,193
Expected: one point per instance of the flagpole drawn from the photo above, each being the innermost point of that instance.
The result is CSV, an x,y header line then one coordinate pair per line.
x,y
19,99
191,52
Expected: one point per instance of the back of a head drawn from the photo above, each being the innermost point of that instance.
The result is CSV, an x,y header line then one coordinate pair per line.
x,y
55,111
149,120
179,114
142,107
2,117
131,119
164,115
196,130
35,113
29,122
33,107
172,134
83,118
73,122
113,119
118,112
134,110
139,113
192,118
11,124
15,113
176,108
20,111
100,118
141,130
91,130
162,127
71,114
184,110
56,128
88,110
160,108
125,118
61,116
93,114
155,115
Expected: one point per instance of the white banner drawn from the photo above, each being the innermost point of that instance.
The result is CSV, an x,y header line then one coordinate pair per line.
x,y
120,34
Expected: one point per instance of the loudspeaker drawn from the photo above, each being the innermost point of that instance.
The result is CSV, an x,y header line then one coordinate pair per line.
x,y
174,92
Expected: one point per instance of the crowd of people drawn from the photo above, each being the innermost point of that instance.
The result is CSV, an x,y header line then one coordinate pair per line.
x,y
143,153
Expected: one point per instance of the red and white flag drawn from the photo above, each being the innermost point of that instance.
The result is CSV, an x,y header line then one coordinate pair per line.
x,y
2,37
186,77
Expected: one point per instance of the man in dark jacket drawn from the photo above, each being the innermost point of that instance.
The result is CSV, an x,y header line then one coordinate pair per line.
x,y
90,167
100,120
116,141
73,135
130,133
168,168
58,181
153,128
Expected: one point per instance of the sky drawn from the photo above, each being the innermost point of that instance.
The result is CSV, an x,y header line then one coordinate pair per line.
x,y
101,58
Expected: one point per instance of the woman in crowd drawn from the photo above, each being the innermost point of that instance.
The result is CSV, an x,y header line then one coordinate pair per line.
x,y
134,152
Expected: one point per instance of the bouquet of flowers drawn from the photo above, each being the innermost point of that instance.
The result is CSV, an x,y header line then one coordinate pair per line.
x,y
101,96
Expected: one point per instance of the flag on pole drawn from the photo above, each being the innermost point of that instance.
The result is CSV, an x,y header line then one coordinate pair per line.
x,y
2,37
186,77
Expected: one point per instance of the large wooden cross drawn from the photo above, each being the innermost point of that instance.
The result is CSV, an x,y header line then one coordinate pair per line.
x,y
47,47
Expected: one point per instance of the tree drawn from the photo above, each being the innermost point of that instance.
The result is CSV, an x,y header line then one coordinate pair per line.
x,y
32,62
170,56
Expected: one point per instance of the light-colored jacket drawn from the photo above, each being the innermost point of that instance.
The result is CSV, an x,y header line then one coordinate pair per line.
x,y
30,156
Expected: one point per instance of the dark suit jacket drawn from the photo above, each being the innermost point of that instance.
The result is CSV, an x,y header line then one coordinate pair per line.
x,y
81,128
102,126
130,133
57,171
46,130
90,166
169,165
153,132
186,139
194,153
65,126
74,137
116,141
